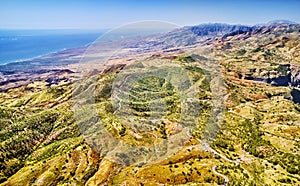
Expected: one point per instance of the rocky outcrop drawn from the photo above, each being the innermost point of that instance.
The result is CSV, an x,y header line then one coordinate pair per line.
x,y
295,76
295,95
292,78
281,80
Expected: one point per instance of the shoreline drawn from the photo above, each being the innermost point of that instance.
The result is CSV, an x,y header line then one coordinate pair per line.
x,y
32,51
52,68
61,58
46,54
32,58
42,56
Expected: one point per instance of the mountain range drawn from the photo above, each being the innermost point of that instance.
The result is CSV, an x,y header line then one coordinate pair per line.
x,y
209,104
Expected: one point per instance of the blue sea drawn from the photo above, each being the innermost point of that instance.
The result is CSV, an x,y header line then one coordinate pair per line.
x,y
19,45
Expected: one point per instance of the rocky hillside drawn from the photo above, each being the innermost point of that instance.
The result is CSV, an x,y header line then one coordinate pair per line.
x,y
256,139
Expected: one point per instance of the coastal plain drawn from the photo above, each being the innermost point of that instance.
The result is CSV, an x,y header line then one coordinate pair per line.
x,y
255,142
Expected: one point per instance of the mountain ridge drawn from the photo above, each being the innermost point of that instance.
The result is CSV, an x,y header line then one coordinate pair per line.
x,y
257,142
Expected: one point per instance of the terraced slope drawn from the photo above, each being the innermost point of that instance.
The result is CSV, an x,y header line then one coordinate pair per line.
x,y
140,105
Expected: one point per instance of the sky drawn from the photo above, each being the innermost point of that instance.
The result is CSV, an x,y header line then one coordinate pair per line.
x,y
98,14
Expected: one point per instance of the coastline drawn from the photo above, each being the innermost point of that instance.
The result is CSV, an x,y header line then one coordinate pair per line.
x,y
35,57
45,54
49,54
58,58
52,68
27,45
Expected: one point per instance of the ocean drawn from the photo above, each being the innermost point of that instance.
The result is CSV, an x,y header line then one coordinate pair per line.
x,y
19,45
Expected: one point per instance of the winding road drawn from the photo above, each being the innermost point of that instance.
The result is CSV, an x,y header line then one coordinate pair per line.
x,y
226,180
207,148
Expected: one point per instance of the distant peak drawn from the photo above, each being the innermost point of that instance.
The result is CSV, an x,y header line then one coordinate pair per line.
x,y
281,22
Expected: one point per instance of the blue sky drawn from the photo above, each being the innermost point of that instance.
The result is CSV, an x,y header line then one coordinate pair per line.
x,y
92,14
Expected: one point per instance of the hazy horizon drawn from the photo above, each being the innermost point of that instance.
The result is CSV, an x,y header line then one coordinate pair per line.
x,y
95,15
96,30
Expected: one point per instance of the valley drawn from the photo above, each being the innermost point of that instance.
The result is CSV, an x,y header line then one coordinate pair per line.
x,y
212,104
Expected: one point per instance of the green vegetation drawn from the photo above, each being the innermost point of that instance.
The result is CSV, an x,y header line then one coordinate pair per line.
x,y
257,140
